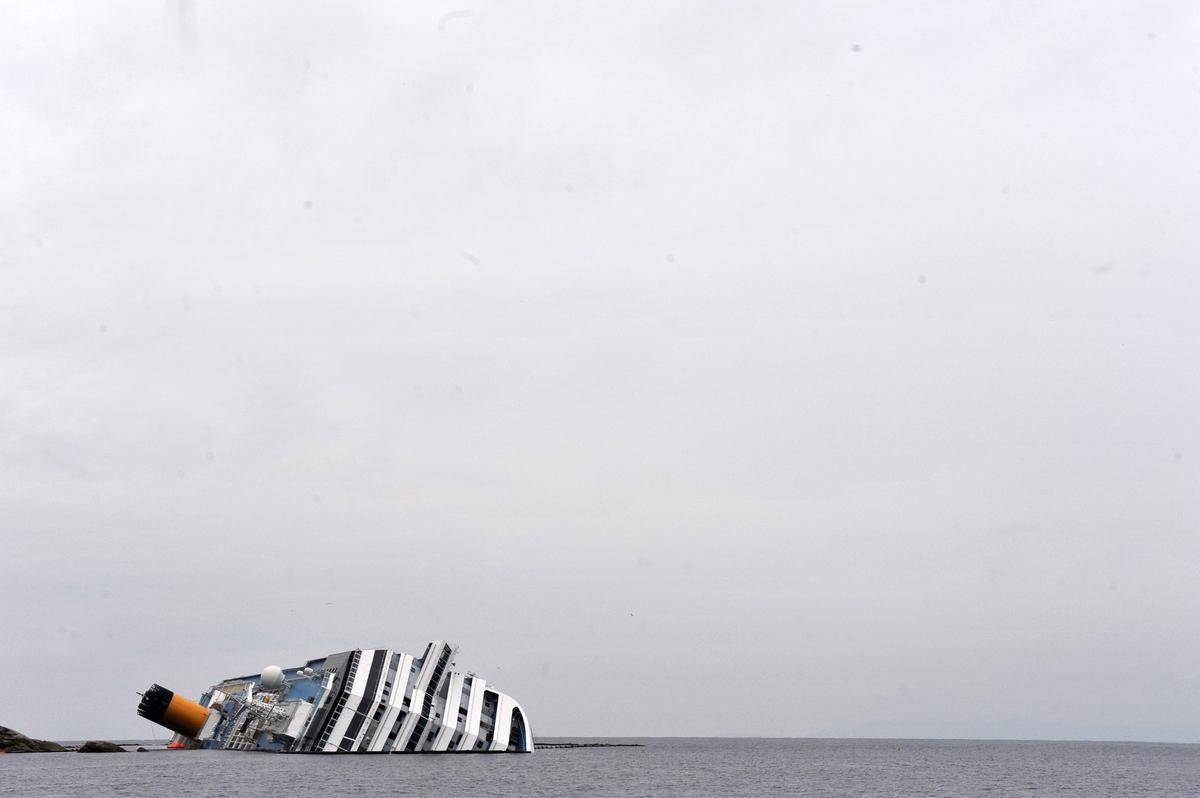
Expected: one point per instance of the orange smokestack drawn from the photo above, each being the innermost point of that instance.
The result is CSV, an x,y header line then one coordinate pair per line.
x,y
173,711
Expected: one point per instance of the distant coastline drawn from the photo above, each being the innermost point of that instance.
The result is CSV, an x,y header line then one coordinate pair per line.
x,y
14,742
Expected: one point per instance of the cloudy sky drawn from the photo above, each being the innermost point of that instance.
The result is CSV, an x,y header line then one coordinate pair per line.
x,y
701,369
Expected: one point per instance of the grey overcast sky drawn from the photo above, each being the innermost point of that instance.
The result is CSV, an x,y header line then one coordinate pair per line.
x,y
750,368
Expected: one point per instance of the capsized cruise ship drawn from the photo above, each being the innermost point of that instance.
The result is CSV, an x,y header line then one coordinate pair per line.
x,y
361,701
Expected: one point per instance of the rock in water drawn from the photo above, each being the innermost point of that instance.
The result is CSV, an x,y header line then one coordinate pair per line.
x,y
13,742
100,747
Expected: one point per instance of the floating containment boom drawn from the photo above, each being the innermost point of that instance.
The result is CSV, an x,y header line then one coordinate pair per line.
x,y
361,701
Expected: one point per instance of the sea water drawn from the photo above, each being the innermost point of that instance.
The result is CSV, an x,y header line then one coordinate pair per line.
x,y
661,767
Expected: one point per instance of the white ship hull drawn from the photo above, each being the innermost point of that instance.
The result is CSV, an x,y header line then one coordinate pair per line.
x,y
362,701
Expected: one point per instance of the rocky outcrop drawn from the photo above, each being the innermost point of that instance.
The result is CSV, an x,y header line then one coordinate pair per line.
x,y
100,747
13,742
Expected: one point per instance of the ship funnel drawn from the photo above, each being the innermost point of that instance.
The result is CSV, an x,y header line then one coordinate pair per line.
x,y
173,711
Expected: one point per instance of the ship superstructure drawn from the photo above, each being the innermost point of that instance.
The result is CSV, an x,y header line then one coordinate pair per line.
x,y
361,701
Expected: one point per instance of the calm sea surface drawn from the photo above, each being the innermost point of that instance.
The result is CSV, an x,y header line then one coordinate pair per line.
x,y
664,767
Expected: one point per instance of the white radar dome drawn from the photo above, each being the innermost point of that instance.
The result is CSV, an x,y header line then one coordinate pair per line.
x,y
271,678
